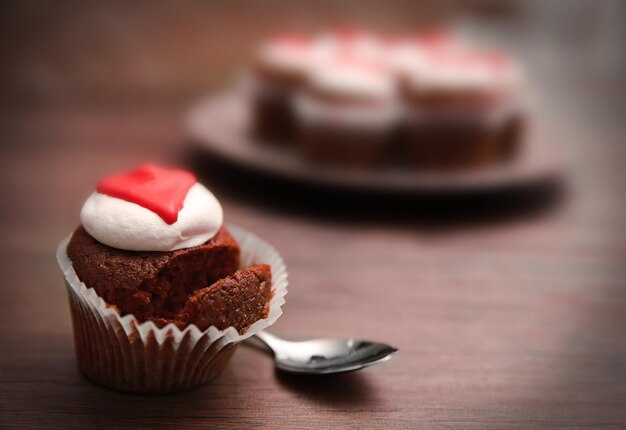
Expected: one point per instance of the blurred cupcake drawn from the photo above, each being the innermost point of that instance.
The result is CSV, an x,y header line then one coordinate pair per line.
x,y
406,54
347,113
460,108
160,291
280,69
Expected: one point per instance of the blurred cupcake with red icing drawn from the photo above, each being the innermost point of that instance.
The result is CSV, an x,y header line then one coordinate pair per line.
x,y
160,291
407,53
281,67
347,113
461,108
337,97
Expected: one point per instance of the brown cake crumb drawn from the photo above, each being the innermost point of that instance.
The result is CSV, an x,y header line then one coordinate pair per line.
x,y
147,284
237,300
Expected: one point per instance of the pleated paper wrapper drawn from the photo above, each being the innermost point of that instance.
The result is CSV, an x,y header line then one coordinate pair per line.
x,y
123,354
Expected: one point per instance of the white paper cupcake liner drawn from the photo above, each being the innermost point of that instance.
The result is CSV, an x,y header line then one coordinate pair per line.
x,y
124,354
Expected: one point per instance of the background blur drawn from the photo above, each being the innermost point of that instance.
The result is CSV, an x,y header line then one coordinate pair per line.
x,y
119,76
94,51
512,319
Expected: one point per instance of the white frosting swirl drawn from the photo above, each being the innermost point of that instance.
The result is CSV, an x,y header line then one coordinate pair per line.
x,y
292,56
352,80
285,57
363,45
448,74
404,57
125,225
313,111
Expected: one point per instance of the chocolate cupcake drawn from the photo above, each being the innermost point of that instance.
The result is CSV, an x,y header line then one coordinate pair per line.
x,y
157,282
347,114
406,54
280,69
461,109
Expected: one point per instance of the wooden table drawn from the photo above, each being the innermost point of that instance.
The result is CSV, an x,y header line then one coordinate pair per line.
x,y
507,313
502,321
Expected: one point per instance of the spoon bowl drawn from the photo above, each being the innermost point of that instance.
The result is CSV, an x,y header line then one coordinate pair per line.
x,y
324,356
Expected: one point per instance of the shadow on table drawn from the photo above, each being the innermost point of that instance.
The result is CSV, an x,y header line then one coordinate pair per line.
x,y
349,206
341,391
93,406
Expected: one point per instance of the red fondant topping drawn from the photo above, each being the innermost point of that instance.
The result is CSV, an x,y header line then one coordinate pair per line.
x,y
434,37
160,190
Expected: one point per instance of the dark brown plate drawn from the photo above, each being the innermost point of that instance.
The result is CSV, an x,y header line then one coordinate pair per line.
x,y
220,125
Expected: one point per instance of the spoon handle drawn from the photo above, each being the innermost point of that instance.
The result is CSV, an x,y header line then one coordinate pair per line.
x,y
268,340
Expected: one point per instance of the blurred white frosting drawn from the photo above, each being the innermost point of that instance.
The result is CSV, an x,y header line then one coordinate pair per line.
x,y
313,111
353,79
451,72
290,54
405,57
359,44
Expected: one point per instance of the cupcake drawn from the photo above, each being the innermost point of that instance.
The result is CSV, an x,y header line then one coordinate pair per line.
x,y
406,54
280,69
160,290
347,114
461,108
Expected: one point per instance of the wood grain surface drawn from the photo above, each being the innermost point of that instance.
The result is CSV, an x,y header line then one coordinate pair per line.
x,y
508,311
501,321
